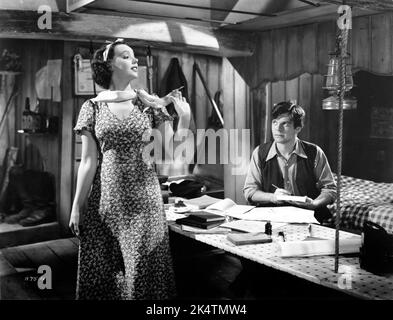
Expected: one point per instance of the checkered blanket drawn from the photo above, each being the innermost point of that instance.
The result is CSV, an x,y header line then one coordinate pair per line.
x,y
365,200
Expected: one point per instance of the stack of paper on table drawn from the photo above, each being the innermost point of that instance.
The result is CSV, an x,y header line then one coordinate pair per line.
x,y
279,214
318,247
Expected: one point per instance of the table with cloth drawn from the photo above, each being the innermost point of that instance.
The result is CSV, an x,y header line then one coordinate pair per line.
x,y
317,269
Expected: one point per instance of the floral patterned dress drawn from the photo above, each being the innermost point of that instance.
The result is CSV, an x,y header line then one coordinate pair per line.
x,y
124,246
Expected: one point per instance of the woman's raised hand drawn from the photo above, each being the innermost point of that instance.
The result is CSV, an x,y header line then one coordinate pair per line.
x,y
181,105
175,96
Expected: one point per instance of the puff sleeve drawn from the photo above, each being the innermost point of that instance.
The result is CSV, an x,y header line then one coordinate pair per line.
x,y
86,118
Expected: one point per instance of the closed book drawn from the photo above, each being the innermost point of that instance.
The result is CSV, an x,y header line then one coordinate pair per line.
x,y
204,216
249,238
188,221
215,230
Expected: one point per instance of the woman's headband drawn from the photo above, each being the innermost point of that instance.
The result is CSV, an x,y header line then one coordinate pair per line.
x,y
108,46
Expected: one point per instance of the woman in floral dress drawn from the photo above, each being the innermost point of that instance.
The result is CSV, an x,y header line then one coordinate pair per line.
x,y
124,247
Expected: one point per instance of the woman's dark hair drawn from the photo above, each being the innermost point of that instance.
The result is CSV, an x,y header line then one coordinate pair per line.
x,y
295,111
102,70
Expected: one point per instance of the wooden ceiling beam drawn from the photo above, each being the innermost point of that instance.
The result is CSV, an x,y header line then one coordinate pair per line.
x,y
167,35
72,5
33,5
379,5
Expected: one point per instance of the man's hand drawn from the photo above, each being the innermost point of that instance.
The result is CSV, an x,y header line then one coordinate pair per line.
x,y
309,204
279,192
282,192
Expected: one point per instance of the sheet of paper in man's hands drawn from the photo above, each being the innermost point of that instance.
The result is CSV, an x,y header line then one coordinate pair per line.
x,y
283,197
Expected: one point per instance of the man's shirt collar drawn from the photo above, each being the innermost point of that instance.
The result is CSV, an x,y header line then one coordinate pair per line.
x,y
298,150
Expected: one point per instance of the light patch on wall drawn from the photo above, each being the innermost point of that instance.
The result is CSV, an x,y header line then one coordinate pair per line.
x,y
158,31
195,37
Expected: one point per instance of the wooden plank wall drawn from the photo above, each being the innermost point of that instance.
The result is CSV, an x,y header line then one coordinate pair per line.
x,y
41,151
289,63
8,128
236,96
201,108
305,90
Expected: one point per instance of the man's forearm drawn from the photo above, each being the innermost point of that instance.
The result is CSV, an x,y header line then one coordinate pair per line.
x,y
260,196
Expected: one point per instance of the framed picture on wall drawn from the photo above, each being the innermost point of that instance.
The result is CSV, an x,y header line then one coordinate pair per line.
x,y
83,79
381,123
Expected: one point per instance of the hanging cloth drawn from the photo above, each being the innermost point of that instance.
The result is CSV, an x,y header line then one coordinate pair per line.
x,y
173,79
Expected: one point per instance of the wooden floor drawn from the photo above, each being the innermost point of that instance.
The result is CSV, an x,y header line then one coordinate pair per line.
x,y
12,235
19,267
202,272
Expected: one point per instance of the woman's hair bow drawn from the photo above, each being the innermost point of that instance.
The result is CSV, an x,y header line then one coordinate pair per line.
x,y
108,46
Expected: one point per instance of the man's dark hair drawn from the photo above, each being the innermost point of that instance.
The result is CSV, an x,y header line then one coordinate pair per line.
x,y
295,112
102,70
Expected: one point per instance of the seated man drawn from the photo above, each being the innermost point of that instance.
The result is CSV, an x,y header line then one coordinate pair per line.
x,y
290,166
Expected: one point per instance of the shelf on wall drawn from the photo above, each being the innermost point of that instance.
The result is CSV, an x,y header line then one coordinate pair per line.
x,y
36,133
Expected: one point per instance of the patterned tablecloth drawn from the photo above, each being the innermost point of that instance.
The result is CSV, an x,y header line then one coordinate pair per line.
x,y
318,269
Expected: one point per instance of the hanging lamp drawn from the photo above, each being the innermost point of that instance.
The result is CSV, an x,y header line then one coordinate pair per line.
x,y
338,67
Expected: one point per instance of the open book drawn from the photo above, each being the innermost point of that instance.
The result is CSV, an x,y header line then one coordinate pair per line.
x,y
201,202
229,207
